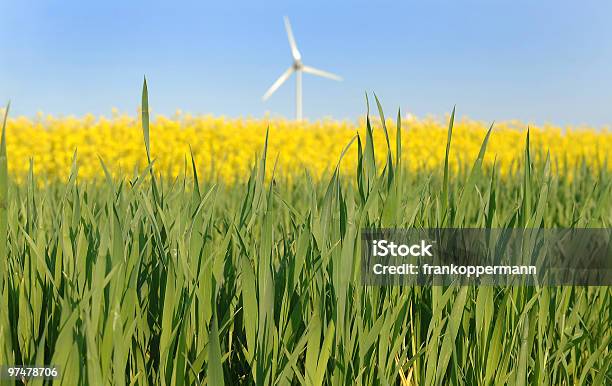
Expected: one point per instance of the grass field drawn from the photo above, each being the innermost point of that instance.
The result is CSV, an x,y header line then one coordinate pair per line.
x,y
188,277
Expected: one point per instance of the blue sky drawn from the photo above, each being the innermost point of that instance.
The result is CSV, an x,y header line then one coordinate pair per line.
x,y
538,61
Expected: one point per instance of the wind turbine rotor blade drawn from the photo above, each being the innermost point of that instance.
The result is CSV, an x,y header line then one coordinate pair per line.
x,y
278,83
294,50
324,74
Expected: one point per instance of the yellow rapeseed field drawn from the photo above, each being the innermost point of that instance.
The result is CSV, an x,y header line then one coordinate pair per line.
x,y
226,148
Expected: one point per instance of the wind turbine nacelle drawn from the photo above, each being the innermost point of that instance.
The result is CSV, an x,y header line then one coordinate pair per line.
x,y
297,65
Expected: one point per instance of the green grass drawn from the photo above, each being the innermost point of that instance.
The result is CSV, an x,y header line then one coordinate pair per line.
x,y
156,281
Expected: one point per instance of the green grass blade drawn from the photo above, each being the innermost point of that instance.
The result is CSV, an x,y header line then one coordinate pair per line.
x,y
446,176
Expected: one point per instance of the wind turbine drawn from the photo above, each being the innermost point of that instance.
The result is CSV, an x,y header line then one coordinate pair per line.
x,y
298,67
